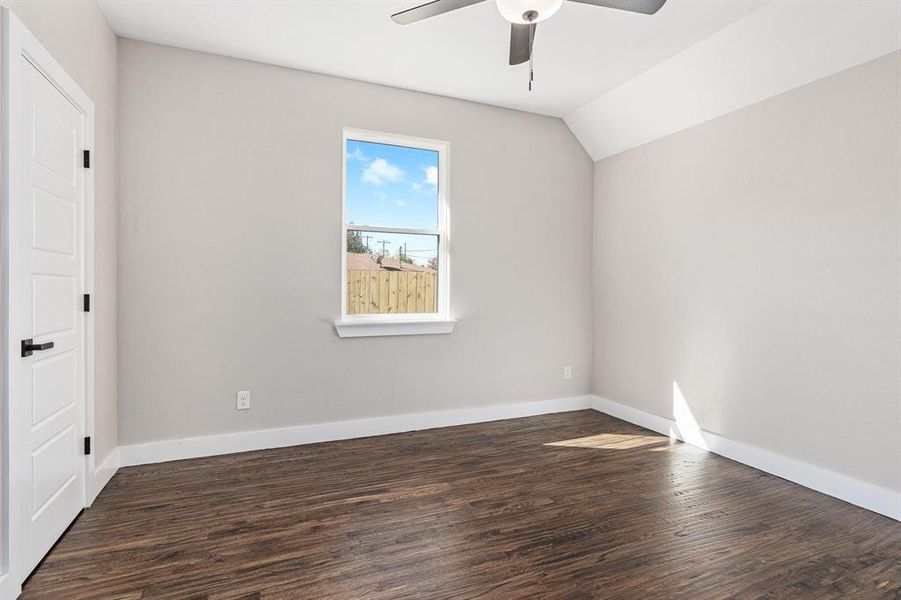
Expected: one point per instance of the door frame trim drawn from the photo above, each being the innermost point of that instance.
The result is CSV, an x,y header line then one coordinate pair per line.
x,y
18,41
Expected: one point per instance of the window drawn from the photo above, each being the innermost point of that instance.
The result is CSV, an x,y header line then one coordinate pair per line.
x,y
394,272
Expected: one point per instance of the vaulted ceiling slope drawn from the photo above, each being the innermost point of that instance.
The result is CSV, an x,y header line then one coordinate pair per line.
x,y
779,47
619,79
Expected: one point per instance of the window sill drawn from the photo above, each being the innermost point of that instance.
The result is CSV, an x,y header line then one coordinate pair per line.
x,y
350,329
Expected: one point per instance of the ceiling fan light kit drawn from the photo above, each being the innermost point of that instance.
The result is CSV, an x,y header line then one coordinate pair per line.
x,y
525,12
524,16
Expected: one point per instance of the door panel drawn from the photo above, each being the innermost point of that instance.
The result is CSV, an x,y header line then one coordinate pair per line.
x,y
53,304
53,390
54,467
54,224
55,138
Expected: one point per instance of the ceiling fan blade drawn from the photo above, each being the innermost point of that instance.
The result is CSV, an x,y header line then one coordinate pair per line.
x,y
520,46
646,7
429,9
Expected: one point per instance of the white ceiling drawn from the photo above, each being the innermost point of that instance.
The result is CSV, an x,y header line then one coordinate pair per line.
x,y
580,53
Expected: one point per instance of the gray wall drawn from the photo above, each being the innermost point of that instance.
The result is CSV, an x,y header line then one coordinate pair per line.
x,y
230,188
80,39
755,261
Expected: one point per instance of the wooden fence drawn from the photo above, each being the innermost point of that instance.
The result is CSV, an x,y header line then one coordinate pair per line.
x,y
380,292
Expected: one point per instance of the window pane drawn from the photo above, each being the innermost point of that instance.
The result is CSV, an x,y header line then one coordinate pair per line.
x,y
391,273
391,186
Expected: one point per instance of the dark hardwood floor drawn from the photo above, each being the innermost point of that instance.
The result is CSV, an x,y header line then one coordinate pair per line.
x,y
574,505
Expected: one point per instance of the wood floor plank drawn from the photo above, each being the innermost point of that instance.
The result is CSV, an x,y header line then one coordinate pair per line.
x,y
571,505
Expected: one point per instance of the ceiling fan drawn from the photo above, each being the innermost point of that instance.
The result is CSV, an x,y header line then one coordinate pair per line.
x,y
524,16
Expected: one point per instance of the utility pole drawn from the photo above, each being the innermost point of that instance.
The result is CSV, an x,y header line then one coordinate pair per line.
x,y
383,243
367,243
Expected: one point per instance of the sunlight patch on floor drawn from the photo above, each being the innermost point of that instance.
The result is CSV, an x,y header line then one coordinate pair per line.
x,y
612,441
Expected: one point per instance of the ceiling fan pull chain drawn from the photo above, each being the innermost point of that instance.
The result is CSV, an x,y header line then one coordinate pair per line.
x,y
531,41
531,74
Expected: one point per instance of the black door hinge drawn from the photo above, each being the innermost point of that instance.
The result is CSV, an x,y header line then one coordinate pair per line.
x,y
87,445
87,159
86,306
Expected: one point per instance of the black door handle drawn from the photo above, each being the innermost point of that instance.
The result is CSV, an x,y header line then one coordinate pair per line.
x,y
28,347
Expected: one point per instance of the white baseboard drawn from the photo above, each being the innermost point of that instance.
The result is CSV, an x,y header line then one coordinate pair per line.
x,y
229,443
9,588
860,493
104,473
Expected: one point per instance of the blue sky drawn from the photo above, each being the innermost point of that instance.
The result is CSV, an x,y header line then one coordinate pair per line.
x,y
393,186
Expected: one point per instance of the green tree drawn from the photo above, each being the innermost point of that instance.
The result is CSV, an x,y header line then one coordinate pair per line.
x,y
355,244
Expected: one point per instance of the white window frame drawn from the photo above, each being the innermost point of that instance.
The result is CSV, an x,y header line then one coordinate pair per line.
x,y
408,323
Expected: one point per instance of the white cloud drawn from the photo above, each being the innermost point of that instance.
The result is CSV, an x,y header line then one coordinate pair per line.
x,y
380,171
400,203
357,154
416,186
431,176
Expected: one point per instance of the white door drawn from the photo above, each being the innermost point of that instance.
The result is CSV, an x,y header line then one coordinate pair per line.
x,y
46,236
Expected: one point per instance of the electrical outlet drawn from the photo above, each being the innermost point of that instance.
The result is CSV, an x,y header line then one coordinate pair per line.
x,y
567,373
243,401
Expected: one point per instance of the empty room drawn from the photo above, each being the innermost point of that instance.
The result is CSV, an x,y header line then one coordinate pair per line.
x,y
407,299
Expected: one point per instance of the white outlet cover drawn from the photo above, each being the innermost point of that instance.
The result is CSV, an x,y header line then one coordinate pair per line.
x,y
567,372
243,400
